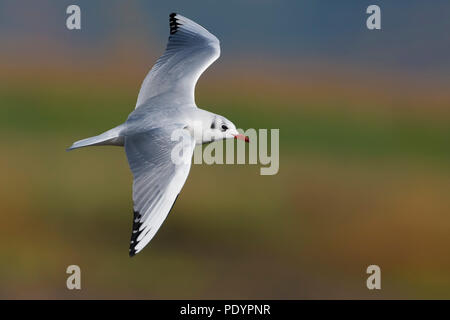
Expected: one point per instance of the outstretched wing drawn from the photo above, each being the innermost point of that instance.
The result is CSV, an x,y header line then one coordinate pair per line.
x,y
160,167
190,50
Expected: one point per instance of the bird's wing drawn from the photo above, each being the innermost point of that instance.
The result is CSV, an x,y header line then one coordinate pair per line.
x,y
160,167
190,50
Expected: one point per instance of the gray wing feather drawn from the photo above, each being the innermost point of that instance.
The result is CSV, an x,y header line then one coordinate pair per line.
x,y
157,179
190,50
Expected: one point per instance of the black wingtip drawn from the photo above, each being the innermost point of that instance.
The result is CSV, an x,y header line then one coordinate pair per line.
x,y
173,23
135,232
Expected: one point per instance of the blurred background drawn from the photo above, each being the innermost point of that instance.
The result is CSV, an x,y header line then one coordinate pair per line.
x,y
364,119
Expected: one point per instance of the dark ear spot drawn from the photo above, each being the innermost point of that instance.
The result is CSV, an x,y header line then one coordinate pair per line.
x,y
213,125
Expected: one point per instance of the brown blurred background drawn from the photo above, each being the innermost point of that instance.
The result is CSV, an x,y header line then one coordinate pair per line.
x,y
364,153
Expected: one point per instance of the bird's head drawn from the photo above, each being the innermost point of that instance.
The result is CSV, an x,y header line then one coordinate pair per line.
x,y
221,128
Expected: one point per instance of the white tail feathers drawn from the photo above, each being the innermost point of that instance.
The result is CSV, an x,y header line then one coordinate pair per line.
x,y
110,137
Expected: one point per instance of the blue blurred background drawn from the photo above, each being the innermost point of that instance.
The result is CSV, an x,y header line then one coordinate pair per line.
x,y
364,153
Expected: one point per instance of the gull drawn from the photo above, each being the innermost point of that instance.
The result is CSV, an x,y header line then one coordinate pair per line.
x,y
166,103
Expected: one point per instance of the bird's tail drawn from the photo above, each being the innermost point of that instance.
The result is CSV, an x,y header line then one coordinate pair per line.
x,y
110,137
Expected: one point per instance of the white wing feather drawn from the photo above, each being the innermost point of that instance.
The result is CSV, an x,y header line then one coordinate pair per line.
x,y
190,51
157,180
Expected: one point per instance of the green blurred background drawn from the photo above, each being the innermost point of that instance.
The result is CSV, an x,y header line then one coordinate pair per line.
x,y
364,153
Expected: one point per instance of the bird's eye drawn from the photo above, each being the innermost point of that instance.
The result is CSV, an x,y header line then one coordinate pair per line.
x,y
224,128
213,125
